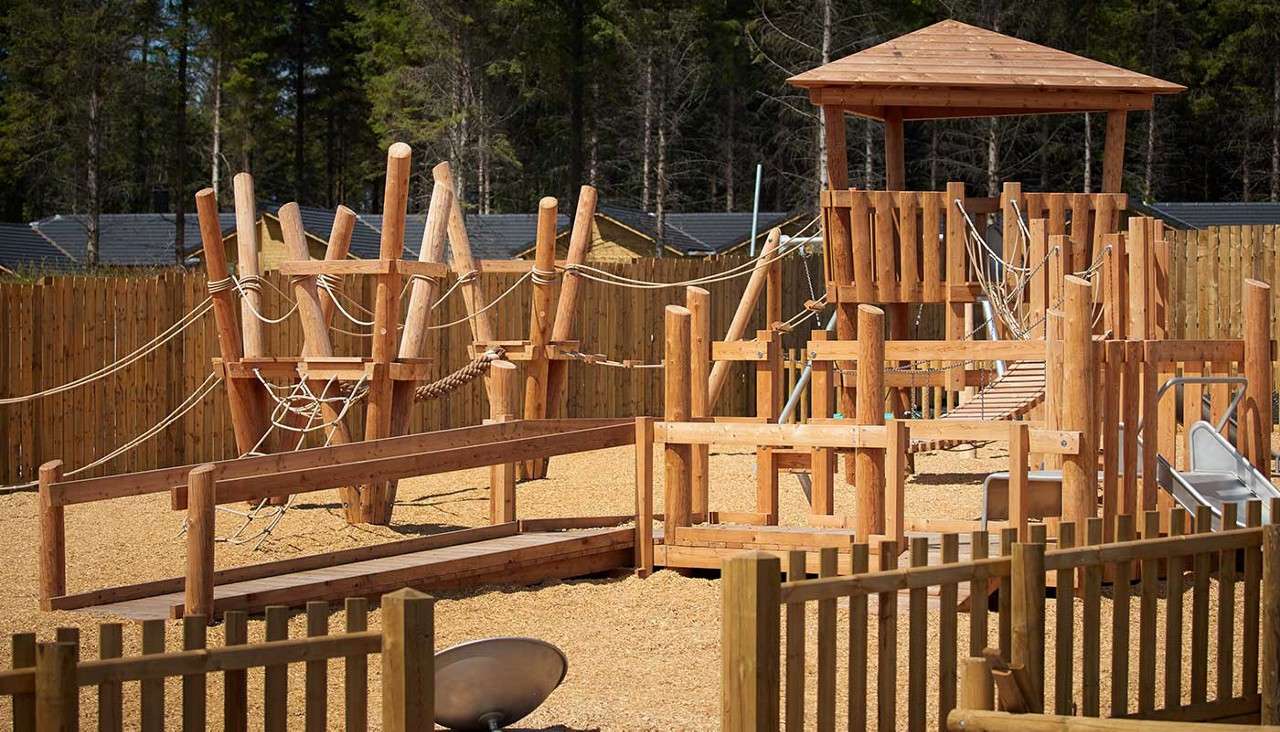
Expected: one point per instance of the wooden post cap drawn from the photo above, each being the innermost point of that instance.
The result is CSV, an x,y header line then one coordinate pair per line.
x,y
408,593
871,310
548,202
51,468
399,150
676,310
441,173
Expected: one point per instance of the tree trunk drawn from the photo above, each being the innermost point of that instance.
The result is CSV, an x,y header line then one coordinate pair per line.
x,y
660,219
180,143
92,165
216,154
1088,152
868,154
299,100
933,157
1275,132
593,150
647,138
824,175
141,157
1148,170
577,97
993,157
730,132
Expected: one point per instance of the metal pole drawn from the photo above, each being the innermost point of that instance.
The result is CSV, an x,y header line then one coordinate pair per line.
x,y
755,210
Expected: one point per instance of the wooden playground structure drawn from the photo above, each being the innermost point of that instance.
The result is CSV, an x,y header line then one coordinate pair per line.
x,y
1056,343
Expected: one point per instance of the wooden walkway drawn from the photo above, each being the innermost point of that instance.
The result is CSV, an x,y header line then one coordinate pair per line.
x,y
1008,397
515,558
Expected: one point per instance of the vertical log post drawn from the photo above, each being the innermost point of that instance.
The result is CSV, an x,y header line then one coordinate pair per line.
x,y
977,690
336,250
53,538
1079,471
422,295
678,502
957,258
201,504
541,313
839,242
377,499
698,302
1255,413
822,460
315,339
897,442
57,693
464,266
247,265
742,316
750,642
1053,379
1271,622
408,661
502,477
1113,155
869,462
1027,631
580,239
248,421
644,496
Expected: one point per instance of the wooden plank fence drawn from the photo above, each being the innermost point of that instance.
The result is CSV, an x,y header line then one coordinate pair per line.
x,y
60,328
45,682
768,683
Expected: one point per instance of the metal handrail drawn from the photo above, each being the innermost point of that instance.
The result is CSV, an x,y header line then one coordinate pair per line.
x,y
1240,381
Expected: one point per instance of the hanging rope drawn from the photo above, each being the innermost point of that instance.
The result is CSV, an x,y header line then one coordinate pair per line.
x,y
142,351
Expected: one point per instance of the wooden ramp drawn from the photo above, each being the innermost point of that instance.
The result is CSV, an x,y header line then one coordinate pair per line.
x,y
1008,397
499,554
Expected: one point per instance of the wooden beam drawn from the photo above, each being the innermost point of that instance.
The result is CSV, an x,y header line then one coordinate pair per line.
x,y
1036,101
202,500
536,370
580,240
1079,472
742,316
1254,416
337,249
1113,155
698,302
678,458
895,165
869,463
750,663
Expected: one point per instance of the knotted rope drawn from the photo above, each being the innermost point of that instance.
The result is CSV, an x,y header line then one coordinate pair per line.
x,y
460,378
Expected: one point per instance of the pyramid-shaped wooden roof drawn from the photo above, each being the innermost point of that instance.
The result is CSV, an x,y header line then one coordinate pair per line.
x,y
951,69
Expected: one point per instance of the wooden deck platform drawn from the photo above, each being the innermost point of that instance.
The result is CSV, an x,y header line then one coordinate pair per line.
x,y
507,556
1010,396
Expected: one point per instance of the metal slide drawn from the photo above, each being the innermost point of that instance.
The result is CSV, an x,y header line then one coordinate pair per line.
x,y
1217,473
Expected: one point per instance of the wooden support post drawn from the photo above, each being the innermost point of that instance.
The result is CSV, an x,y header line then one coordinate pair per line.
x,y
481,321
1270,597
742,316
897,440
1019,489
822,460
1027,638
1113,155
1053,379
957,258
698,302
644,496
316,342
1039,305
895,166
869,462
1138,254
767,484
567,304
248,267
53,538
839,244
769,385
1254,417
977,690
57,692
1079,471
422,295
678,502
408,661
377,499
540,315
502,477
337,249
750,642
248,421
201,504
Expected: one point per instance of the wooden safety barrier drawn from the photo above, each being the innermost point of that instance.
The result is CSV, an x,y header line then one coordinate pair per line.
x,y
45,681
756,657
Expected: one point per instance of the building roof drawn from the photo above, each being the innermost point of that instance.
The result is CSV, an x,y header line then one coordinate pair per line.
x,y
22,249
127,240
721,230
1183,215
951,69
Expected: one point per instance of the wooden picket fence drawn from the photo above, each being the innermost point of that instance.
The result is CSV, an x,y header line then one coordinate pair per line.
x,y
45,681
765,674
59,328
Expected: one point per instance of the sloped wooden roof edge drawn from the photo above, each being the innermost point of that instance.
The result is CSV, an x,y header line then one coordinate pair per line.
x,y
955,55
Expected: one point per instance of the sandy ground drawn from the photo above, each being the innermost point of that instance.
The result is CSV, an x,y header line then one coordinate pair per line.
x,y
643,654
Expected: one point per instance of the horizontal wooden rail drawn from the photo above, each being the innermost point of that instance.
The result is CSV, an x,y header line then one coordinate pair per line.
x,y
933,350
1156,548
974,720
87,490
432,462
841,434
893,580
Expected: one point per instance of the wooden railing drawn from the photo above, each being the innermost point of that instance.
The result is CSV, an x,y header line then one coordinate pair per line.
x,y
45,681
756,658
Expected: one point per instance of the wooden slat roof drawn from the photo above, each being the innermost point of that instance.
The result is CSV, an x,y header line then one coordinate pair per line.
x,y
952,60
